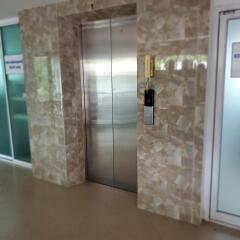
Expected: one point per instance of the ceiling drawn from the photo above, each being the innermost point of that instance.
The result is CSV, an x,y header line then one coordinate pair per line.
x,y
9,8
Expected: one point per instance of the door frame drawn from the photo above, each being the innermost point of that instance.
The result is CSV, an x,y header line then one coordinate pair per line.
x,y
131,16
223,31
209,119
9,21
3,158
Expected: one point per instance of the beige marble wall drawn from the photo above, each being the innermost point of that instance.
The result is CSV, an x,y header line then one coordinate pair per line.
x,y
170,152
43,90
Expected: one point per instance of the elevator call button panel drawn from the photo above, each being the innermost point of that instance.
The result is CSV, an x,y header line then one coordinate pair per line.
x,y
149,107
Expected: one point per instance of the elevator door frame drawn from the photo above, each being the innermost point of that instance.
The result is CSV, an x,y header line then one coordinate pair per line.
x,y
84,99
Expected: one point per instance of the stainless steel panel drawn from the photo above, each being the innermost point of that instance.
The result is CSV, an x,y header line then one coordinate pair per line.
x,y
110,82
124,78
148,115
96,45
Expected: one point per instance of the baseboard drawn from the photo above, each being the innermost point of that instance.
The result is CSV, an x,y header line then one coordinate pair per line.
x,y
16,162
22,164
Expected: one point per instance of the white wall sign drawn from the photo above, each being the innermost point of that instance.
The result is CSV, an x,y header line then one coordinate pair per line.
x,y
14,64
235,68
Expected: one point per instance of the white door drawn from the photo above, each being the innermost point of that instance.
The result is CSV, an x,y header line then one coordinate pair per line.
x,y
225,201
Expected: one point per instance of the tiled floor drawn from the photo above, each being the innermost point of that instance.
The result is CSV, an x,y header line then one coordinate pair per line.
x,y
34,210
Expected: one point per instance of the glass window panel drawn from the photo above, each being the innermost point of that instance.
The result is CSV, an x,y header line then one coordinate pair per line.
x,y
5,148
16,94
11,40
229,191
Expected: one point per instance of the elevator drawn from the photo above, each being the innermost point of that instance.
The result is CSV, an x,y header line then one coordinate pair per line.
x,y
109,56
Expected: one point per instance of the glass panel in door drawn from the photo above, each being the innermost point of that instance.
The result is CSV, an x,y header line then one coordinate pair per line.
x,y
16,94
5,148
229,175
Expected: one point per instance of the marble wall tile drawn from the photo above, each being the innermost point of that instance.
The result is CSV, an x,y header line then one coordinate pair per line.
x,y
173,31
170,152
69,48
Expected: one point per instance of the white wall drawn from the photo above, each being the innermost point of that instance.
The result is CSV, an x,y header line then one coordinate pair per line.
x,y
9,8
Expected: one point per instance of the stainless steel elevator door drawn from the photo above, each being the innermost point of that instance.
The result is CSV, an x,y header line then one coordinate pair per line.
x,y
110,83
98,101
124,81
